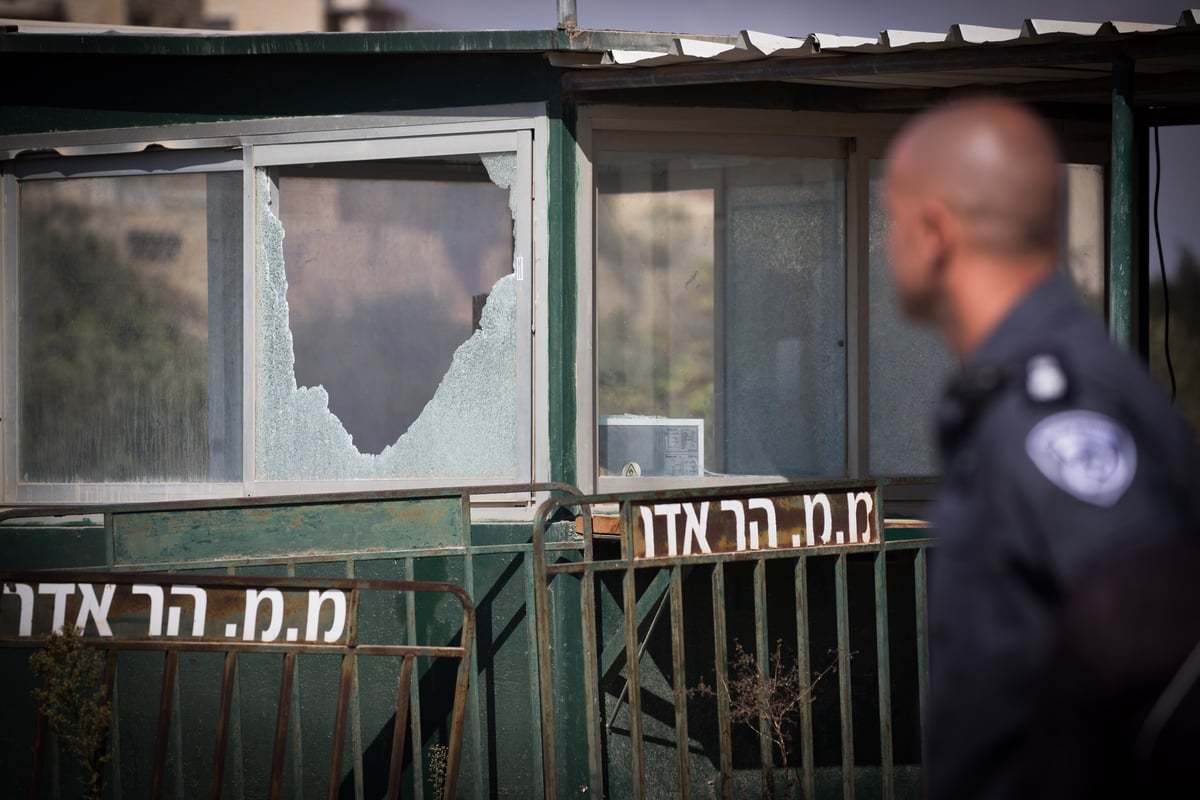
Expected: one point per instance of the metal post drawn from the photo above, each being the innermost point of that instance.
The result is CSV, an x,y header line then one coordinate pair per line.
x,y
1121,198
567,18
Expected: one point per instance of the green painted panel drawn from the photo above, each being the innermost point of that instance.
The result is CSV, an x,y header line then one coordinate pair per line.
x,y
562,178
89,92
51,547
1122,195
295,531
365,43
16,740
502,682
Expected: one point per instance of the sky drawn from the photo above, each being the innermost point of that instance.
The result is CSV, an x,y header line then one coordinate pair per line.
x,y
786,17
1180,195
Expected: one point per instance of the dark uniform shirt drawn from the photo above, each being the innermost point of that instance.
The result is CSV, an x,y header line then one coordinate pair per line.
x,y
1058,450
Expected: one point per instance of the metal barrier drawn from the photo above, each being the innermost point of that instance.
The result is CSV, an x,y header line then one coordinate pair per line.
x,y
814,544
412,535
121,612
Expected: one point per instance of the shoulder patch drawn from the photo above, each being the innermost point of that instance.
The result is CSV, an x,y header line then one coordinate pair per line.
x,y
1088,455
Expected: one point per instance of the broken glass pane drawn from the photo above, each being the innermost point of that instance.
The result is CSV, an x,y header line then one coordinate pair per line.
x,y
387,321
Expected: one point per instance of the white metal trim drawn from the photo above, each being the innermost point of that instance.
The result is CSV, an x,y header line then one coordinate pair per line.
x,y
249,318
379,149
201,135
776,133
58,167
539,273
858,304
521,128
526,333
8,330
586,381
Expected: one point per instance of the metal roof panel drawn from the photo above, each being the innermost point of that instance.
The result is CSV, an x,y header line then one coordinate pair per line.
x,y
893,39
981,34
767,44
1044,27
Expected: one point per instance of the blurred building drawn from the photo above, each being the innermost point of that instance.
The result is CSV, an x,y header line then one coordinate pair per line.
x,y
231,15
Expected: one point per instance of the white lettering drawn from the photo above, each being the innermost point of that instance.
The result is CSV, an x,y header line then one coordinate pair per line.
x,y
852,501
772,533
254,599
648,530
740,515
60,592
316,599
670,511
24,593
199,612
810,503
697,527
89,606
155,593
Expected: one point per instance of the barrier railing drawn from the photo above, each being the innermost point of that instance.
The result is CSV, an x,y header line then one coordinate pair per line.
x,y
409,536
833,589
178,615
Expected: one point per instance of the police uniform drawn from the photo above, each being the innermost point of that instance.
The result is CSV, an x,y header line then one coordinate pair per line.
x,y
1058,450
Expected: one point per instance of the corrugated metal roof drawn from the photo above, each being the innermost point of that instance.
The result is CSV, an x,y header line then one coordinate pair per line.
x,y
1050,60
752,45
1054,60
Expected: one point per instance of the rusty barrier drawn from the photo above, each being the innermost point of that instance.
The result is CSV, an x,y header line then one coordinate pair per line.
x,y
410,536
830,600
181,615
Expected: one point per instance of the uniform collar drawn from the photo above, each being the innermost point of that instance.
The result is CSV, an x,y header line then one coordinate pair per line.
x,y
1023,330
1000,360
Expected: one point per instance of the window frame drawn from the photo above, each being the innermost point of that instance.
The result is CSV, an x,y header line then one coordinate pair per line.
x,y
247,147
866,136
715,131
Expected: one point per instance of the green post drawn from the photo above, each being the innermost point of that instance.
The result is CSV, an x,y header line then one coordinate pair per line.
x,y
1121,200
563,293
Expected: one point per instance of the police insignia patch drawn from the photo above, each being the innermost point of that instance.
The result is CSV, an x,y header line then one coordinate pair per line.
x,y
1086,454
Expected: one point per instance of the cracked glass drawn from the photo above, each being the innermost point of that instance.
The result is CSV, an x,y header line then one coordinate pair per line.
x,y
387,308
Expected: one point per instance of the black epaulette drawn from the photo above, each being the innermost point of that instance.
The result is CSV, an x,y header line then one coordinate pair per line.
x,y
1042,378
968,394
975,387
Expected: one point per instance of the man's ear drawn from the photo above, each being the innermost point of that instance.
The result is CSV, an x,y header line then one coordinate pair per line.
x,y
941,227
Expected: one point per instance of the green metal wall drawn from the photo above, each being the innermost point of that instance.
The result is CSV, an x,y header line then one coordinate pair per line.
x,y
501,740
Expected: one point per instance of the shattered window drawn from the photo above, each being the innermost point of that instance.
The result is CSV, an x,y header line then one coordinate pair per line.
x,y
387,319
201,321
129,335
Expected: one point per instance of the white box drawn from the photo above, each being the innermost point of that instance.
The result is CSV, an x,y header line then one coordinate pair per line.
x,y
658,446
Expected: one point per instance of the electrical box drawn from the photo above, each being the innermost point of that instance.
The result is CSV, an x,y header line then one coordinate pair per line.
x,y
652,446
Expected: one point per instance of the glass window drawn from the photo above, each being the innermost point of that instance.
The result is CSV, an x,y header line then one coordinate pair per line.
x,y
720,314
1085,232
274,318
1174,304
387,320
907,366
129,334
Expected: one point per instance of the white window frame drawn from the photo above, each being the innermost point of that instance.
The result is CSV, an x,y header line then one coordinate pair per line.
x,y
248,147
722,131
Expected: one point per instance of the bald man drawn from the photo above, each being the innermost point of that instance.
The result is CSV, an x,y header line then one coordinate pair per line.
x,y
1058,450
